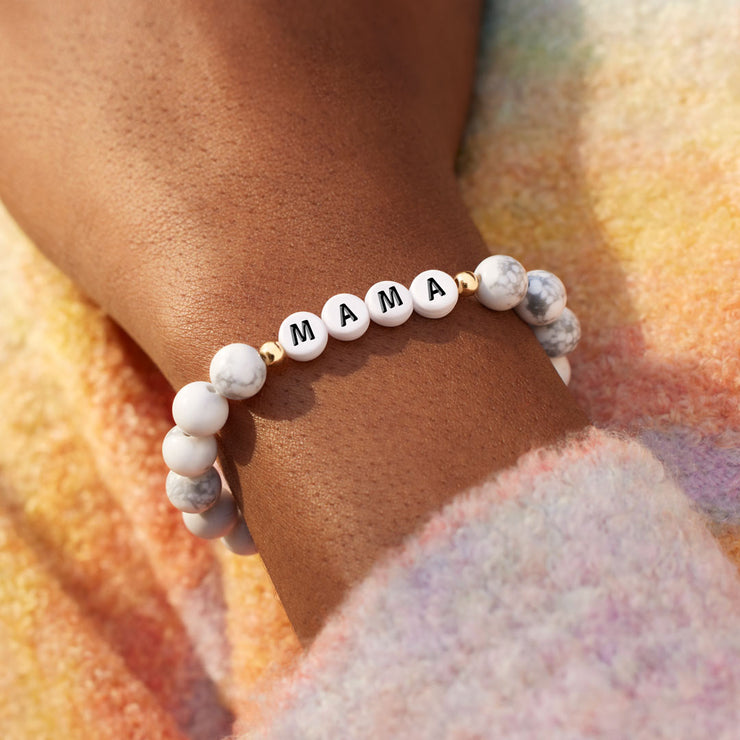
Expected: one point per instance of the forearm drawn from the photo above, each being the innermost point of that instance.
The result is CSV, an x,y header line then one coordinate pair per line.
x,y
341,458
242,168
354,450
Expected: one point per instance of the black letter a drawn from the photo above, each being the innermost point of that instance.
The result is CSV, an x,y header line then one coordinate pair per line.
x,y
345,312
434,288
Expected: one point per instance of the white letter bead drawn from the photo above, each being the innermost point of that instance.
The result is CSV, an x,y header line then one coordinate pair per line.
x,y
303,336
562,365
238,371
560,337
187,455
502,282
239,540
389,303
193,495
346,316
545,299
434,294
199,410
217,521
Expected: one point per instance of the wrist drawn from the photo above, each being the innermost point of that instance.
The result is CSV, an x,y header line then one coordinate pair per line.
x,y
240,278
337,460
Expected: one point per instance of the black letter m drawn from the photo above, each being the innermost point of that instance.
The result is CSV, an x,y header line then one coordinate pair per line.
x,y
302,334
392,301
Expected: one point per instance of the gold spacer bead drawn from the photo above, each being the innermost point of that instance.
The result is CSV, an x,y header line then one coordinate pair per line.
x,y
272,353
467,282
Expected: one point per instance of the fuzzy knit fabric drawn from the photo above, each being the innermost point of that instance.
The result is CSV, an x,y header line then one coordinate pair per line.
x,y
577,595
595,597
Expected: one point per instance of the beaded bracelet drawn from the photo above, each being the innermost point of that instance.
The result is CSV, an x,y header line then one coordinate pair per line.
x,y
239,371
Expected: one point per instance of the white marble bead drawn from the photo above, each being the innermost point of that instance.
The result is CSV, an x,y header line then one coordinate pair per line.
x,y
194,495
303,336
237,371
561,336
239,540
346,316
562,365
502,282
389,303
187,455
545,298
215,522
434,294
199,410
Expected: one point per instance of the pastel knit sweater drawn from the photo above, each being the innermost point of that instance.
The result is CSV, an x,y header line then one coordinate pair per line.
x,y
590,591
577,595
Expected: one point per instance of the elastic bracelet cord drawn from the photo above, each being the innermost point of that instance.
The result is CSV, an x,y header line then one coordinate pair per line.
x,y
238,371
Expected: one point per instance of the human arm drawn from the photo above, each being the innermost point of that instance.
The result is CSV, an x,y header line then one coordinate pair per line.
x,y
203,171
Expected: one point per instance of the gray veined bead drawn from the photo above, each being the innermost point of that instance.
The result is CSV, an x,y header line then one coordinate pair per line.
x,y
560,337
199,409
194,495
187,455
239,540
215,522
237,371
545,298
503,282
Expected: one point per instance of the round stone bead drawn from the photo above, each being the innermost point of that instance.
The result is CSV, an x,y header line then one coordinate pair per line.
x,y
545,298
199,410
434,294
239,540
217,521
303,336
187,455
194,495
562,365
389,303
503,282
346,316
561,336
238,371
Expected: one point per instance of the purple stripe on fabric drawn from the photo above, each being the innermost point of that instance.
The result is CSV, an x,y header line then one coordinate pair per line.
x,y
710,475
